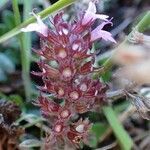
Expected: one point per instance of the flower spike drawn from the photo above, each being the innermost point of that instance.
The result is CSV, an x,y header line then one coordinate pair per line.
x,y
69,78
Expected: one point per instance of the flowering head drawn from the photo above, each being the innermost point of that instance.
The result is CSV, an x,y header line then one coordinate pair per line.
x,y
70,80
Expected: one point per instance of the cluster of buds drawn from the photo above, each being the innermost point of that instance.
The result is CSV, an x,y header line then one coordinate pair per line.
x,y
67,66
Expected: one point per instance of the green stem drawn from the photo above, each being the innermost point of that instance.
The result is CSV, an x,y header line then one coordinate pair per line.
x,y
16,12
106,66
27,36
27,48
144,23
55,7
24,52
124,139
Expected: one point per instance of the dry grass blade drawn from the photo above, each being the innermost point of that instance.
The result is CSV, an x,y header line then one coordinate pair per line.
x,y
112,145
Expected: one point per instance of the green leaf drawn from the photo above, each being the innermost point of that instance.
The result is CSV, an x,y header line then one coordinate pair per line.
x,y
121,134
144,23
99,129
106,76
17,99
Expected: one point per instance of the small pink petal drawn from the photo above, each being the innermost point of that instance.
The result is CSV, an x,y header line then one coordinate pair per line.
x,y
101,16
91,7
91,15
101,26
38,27
99,33
107,36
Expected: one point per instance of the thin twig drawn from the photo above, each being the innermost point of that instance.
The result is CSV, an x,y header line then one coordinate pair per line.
x,y
112,145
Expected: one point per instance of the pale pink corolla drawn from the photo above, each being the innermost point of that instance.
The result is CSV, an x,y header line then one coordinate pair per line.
x,y
90,14
39,26
98,33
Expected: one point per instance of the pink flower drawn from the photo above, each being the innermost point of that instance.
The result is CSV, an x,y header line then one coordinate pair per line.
x,y
39,27
70,80
98,33
91,15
